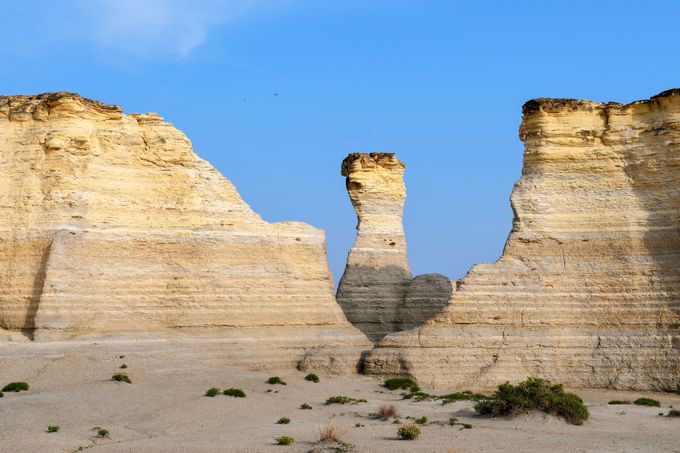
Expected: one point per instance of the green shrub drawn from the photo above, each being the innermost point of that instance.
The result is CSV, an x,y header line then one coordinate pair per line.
x,y
402,383
103,433
53,429
534,394
236,393
408,432
15,387
467,426
284,440
421,420
212,392
417,396
305,406
453,421
121,377
1,394
123,366
647,402
312,378
343,400
619,402
283,421
465,395
276,380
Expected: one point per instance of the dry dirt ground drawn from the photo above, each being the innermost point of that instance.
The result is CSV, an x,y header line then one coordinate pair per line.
x,y
164,409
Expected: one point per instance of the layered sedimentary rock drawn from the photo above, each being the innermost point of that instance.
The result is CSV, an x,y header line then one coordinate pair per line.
x,y
587,289
110,223
373,289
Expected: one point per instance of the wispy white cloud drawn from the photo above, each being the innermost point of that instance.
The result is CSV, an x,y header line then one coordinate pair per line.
x,y
162,28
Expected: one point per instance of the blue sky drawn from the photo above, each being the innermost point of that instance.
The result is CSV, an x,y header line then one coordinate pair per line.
x,y
441,83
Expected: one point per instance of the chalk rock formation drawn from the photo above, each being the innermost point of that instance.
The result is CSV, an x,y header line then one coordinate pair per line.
x,y
373,289
587,291
110,223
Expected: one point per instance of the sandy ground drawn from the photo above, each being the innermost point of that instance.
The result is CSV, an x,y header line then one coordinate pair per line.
x,y
165,410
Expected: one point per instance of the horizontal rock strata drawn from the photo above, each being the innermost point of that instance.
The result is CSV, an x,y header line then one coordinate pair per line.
x,y
587,289
377,291
112,224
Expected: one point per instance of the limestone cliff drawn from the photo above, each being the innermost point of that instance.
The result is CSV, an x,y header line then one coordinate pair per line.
x,y
587,289
111,223
376,289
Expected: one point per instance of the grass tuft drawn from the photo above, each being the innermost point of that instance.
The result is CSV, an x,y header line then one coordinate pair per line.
x,y
343,400
284,440
212,392
283,421
236,393
15,387
647,402
408,432
312,378
619,402
276,380
305,406
330,433
103,433
403,383
121,377
421,420
53,429
387,411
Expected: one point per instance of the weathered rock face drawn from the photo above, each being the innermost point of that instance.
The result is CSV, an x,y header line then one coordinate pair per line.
x,y
112,224
587,291
373,289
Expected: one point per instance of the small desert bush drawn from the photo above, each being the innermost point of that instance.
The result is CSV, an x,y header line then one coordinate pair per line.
x,y
387,411
103,433
417,396
123,366
344,400
1,394
212,392
408,432
284,440
283,421
305,406
276,380
330,433
534,394
619,402
673,413
52,429
465,395
312,378
236,393
421,420
647,402
402,383
15,387
467,426
121,377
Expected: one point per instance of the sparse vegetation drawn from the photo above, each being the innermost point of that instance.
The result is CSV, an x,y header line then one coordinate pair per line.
x,y
121,377
647,402
103,433
283,421
344,400
284,440
534,394
418,396
53,429
276,380
236,393
305,406
453,421
673,413
408,432
312,378
1,394
387,411
15,387
123,366
330,433
420,420
465,395
212,392
467,426
403,383
619,402
121,356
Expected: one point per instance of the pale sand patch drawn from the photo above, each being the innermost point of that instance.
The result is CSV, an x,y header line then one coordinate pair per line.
x,y
165,410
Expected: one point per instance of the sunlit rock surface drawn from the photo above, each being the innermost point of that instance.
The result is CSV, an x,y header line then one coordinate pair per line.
x,y
587,289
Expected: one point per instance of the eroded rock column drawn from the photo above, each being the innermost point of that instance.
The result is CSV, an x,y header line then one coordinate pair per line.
x,y
377,274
